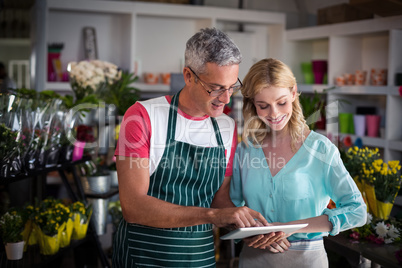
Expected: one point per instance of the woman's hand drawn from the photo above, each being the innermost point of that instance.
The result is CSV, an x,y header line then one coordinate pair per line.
x,y
280,246
274,242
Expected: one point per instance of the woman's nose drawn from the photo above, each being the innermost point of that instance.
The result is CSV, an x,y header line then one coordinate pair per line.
x,y
273,112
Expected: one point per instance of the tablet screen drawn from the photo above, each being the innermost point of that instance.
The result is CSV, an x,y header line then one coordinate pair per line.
x,y
252,231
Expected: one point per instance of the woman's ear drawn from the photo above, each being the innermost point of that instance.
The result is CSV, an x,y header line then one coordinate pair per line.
x,y
294,92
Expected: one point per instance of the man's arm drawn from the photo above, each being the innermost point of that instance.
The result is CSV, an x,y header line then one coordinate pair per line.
x,y
222,196
139,207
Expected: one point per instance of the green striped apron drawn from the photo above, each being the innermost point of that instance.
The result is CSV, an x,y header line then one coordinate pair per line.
x,y
187,175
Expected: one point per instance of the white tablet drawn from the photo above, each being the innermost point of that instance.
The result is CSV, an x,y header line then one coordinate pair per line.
x,y
251,231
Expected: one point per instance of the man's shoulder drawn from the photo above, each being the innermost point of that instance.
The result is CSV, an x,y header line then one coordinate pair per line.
x,y
224,119
155,101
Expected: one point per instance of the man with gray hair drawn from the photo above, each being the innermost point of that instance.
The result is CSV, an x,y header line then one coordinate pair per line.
x,y
174,162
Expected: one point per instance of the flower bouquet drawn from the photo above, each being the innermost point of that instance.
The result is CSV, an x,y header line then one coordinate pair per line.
x,y
10,135
378,231
50,223
81,217
11,226
8,149
29,234
385,179
356,159
86,78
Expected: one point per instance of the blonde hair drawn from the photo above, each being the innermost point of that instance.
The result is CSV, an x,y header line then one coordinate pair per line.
x,y
262,75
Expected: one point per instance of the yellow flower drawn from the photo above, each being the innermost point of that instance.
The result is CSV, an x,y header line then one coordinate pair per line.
x,y
393,164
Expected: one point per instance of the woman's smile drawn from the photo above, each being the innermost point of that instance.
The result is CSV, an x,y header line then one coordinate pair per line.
x,y
277,120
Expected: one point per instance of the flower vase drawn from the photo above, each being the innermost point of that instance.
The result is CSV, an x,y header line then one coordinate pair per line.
x,y
49,245
114,178
360,186
369,192
371,198
373,125
15,251
27,233
80,227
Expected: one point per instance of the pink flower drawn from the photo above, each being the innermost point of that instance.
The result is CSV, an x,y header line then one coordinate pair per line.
x,y
379,240
355,235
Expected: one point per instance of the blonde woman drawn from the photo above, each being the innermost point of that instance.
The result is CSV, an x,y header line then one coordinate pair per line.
x,y
288,173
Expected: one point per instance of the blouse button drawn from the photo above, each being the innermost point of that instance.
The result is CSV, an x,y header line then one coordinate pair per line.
x,y
272,210
270,195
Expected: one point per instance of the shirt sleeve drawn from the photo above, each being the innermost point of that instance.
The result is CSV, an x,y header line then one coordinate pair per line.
x,y
350,211
236,188
135,133
229,166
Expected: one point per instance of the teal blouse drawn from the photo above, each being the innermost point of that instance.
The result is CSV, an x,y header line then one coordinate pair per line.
x,y
301,189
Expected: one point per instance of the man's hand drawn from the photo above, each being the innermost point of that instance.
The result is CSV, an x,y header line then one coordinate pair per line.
x,y
237,217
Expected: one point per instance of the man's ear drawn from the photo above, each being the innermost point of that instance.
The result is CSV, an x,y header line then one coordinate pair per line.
x,y
187,75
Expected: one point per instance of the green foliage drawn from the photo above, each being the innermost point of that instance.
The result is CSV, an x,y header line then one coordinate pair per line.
x,y
27,93
312,108
116,213
47,95
121,93
8,141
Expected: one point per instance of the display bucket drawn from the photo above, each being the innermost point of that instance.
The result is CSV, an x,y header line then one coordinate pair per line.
x,y
99,214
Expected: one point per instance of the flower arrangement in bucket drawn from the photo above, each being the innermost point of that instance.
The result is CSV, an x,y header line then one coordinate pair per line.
x,y
11,227
86,77
379,182
81,217
53,226
385,178
355,159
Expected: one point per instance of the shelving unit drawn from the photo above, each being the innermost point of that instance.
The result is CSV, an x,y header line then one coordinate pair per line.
x,y
14,49
146,35
348,47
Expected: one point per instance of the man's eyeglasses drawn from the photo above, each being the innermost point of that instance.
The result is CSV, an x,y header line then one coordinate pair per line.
x,y
215,91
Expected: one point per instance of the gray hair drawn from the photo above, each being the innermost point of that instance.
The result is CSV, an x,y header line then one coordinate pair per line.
x,y
211,45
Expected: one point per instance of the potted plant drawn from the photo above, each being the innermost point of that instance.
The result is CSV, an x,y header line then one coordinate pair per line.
x,y
121,93
81,216
11,227
313,109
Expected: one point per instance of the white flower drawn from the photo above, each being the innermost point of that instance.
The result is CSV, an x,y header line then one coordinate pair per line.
x,y
93,73
369,218
393,232
388,240
381,229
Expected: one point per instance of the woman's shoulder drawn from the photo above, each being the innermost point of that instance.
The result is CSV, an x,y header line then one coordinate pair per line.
x,y
247,146
318,139
320,145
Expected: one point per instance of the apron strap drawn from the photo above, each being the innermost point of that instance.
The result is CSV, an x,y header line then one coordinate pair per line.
x,y
173,119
